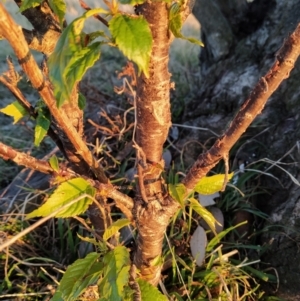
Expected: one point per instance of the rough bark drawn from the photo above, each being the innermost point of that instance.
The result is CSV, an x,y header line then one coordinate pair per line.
x,y
152,209
67,121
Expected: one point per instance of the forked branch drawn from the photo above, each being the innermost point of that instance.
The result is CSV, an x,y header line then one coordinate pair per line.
x,y
285,60
13,34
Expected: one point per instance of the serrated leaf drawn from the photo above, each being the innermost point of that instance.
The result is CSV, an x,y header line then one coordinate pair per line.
x,y
79,275
43,122
80,62
150,292
64,194
116,274
204,213
53,161
115,227
67,56
175,24
29,3
177,192
59,8
133,37
15,110
210,185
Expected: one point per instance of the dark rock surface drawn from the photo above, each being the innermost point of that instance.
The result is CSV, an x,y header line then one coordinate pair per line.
x,y
231,64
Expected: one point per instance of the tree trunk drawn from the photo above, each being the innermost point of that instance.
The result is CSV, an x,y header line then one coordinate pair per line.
x,y
153,209
241,40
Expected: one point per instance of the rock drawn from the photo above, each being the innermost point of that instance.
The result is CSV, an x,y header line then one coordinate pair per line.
x,y
198,244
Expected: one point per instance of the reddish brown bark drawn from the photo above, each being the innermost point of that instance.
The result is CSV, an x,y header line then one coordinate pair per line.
x,y
152,209
20,158
284,63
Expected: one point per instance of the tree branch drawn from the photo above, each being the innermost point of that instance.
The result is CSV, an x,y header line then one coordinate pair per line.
x,y
15,37
98,17
29,108
8,153
123,202
285,60
46,32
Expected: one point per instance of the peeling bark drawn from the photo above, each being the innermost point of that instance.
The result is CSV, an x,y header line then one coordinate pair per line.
x,y
152,209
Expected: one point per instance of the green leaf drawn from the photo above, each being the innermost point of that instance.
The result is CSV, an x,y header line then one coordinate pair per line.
x,y
43,122
69,55
219,236
90,37
133,37
57,297
204,213
29,3
177,192
53,161
59,8
150,292
64,194
116,274
210,185
115,227
79,275
175,24
15,110
80,62
81,101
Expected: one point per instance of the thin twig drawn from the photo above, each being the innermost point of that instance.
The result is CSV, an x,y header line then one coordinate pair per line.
x,y
98,17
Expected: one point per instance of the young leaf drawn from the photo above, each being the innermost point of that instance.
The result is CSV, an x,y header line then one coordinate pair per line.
x,y
81,61
15,110
177,192
210,185
150,292
29,3
43,122
59,8
204,213
63,195
133,37
79,275
53,161
68,55
115,227
175,24
116,274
